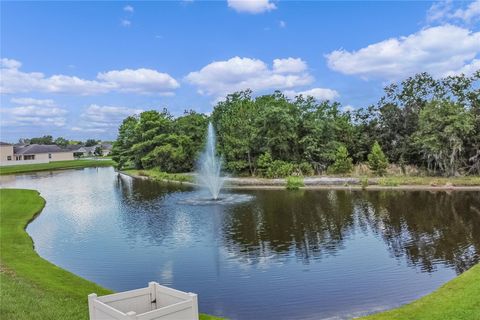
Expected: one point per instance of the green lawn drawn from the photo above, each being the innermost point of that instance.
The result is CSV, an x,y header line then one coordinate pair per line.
x,y
458,299
31,287
57,165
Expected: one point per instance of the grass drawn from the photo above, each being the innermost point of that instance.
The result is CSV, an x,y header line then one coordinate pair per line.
x,y
31,287
294,183
458,299
156,174
430,181
56,165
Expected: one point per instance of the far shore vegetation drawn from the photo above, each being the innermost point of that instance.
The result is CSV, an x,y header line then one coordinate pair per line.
x,y
31,287
422,131
56,165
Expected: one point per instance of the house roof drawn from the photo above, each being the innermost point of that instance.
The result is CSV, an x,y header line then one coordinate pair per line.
x,y
4,144
38,148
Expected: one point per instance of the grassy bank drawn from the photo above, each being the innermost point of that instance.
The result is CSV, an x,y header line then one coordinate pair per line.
x,y
31,287
458,299
158,175
57,165
429,181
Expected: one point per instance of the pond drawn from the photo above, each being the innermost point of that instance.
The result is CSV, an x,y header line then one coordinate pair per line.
x,y
276,254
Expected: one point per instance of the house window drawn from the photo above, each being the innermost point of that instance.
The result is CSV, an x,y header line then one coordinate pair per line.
x,y
9,158
49,156
29,157
18,158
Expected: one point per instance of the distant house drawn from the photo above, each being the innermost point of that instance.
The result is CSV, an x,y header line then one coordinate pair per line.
x,y
90,151
32,153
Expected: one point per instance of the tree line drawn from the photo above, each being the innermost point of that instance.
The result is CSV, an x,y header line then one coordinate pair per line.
x,y
59,141
425,122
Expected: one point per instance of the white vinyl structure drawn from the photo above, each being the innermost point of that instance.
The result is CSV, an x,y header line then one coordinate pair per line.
x,y
154,302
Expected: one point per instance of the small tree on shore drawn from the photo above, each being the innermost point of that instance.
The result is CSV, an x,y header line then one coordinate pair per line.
x,y
343,163
377,161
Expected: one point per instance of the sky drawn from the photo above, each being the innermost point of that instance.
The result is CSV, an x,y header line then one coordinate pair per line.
x,y
77,69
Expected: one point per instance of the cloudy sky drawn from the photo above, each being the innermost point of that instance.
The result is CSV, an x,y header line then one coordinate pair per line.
x,y
77,69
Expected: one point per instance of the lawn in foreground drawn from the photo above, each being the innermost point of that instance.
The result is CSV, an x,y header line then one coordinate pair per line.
x,y
56,165
31,287
458,299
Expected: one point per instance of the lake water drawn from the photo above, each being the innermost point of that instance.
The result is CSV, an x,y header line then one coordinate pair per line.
x,y
274,254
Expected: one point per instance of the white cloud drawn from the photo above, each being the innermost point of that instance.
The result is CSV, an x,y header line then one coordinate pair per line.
x,y
467,69
348,108
289,65
223,77
10,63
128,8
32,101
438,50
33,115
317,93
472,12
126,23
99,119
139,80
444,11
142,80
282,24
251,6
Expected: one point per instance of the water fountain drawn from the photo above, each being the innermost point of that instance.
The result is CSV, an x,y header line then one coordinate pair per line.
x,y
209,170
210,166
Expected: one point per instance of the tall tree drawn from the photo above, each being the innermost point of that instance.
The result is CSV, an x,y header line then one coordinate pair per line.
x,y
443,128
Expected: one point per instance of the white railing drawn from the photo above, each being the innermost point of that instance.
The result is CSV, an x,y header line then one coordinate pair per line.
x,y
154,302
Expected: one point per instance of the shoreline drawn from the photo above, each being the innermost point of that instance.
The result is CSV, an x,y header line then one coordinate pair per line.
x,y
315,183
26,276
20,281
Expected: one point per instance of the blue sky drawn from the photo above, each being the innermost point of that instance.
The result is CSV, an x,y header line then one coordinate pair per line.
x,y
76,69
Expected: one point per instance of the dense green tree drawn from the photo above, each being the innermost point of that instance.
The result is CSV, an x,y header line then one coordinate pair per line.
x,y
98,151
122,152
91,142
42,140
235,120
61,142
343,163
377,161
443,128
272,135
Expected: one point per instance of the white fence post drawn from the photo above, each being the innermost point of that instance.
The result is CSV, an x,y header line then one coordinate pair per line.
x,y
91,308
194,305
153,294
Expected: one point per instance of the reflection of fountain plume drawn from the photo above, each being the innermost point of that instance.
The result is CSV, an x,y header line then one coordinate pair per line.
x,y
210,165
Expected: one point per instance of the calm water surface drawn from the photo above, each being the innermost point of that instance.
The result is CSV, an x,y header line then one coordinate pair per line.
x,y
280,255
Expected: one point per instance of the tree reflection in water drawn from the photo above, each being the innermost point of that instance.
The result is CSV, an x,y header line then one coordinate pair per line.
x,y
424,227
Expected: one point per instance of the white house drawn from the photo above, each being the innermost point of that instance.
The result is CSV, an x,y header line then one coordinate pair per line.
x,y
32,153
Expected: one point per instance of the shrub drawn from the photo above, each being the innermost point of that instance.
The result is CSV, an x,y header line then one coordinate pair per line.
x,y
343,163
364,182
377,161
280,169
264,162
306,169
294,183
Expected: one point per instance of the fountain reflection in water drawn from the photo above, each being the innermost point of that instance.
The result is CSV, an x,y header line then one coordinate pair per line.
x,y
210,166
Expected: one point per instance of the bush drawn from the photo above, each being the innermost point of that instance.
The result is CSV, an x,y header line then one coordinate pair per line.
x,y
280,169
264,163
294,183
343,163
364,182
306,169
377,161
